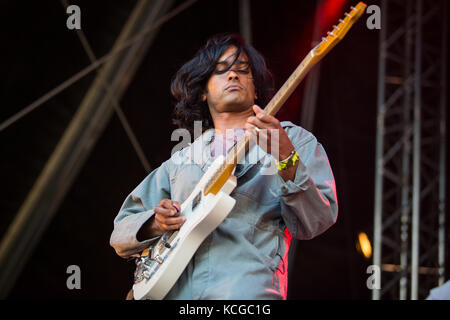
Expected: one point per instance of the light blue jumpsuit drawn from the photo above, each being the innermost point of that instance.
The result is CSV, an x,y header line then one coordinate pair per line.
x,y
246,257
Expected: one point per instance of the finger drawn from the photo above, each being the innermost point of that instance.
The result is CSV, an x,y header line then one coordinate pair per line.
x,y
263,116
170,227
259,123
266,118
169,221
165,211
166,203
171,205
257,109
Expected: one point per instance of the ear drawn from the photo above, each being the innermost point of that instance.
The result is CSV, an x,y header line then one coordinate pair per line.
x,y
203,97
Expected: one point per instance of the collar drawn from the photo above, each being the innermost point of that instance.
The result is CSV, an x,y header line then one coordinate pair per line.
x,y
200,153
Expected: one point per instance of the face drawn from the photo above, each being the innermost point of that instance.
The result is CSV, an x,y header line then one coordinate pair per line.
x,y
233,90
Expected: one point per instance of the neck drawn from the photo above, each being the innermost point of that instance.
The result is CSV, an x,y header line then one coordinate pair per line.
x,y
230,120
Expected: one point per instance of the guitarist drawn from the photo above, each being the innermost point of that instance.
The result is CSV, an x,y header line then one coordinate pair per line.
x,y
246,256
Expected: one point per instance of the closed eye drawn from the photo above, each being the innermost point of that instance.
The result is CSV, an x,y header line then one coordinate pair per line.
x,y
241,67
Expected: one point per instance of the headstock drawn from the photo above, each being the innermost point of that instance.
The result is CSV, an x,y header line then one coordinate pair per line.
x,y
339,31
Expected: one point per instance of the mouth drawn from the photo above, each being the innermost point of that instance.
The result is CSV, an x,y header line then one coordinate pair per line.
x,y
233,87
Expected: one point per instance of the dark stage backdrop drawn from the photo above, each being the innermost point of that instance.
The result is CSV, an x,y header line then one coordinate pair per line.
x,y
39,52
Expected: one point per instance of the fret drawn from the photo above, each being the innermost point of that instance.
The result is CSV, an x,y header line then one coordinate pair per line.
x,y
237,152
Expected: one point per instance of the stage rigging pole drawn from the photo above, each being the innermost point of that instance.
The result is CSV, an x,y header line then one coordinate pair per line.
x,y
74,147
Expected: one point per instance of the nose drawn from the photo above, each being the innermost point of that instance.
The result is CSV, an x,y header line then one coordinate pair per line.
x,y
232,75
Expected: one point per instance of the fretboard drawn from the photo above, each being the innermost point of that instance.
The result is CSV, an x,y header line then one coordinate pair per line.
x,y
238,151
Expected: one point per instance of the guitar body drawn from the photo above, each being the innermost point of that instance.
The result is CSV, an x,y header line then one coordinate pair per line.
x,y
204,214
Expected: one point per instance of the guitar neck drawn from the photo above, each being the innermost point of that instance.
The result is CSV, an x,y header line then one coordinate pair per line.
x,y
291,83
237,152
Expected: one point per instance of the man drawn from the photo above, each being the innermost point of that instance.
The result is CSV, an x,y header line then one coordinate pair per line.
x,y
246,256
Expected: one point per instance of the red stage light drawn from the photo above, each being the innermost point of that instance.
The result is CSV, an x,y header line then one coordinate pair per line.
x,y
329,12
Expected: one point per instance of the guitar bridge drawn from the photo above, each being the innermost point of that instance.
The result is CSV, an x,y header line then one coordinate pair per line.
x,y
152,258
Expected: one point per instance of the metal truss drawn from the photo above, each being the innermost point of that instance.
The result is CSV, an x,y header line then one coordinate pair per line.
x,y
409,218
92,116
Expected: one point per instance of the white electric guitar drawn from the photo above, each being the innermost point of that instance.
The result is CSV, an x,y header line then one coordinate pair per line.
x,y
160,265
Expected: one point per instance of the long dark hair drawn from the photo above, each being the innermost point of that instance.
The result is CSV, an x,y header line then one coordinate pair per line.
x,y
190,81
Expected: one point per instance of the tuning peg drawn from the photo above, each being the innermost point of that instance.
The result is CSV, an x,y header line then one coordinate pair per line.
x,y
324,39
346,14
352,8
341,21
335,27
330,33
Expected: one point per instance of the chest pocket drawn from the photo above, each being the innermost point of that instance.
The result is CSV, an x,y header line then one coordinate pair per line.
x,y
254,182
184,181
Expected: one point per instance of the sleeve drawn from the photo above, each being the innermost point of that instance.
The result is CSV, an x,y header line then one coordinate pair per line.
x,y
309,203
136,210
